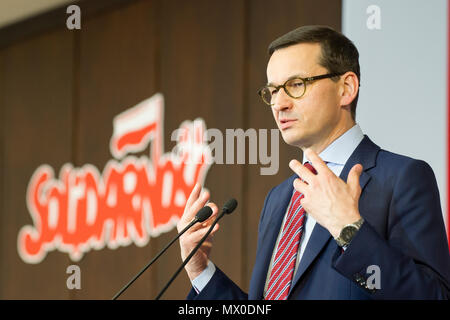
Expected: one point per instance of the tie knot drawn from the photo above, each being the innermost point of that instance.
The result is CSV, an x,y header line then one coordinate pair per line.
x,y
310,167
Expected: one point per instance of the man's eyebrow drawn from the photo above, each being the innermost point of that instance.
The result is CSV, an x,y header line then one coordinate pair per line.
x,y
295,76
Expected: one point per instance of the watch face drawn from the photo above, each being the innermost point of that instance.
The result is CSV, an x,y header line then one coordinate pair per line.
x,y
348,233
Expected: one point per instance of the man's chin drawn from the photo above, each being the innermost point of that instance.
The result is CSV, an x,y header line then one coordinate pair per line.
x,y
293,141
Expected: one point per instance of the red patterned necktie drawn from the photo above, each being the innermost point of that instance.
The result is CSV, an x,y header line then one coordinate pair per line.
x,y
285,257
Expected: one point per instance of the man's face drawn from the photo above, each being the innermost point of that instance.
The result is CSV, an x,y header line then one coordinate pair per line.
x,y
316,117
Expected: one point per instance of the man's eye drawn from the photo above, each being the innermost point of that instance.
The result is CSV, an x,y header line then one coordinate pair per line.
x,y
273,91
296,84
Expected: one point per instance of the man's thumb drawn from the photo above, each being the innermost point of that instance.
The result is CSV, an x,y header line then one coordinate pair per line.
x,y
353,179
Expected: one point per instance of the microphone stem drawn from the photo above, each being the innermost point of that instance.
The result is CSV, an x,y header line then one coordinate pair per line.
x,y
154,259
190,255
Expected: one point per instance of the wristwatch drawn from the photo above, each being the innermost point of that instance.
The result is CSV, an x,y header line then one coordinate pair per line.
x,y
348,232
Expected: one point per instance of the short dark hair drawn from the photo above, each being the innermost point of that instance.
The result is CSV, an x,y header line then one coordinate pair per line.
x,y
339,54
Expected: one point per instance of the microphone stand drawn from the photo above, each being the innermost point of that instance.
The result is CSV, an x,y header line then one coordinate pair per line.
x,y
200,217
228,208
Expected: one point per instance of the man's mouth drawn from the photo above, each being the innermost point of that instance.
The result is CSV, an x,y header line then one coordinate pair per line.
x,y
286,123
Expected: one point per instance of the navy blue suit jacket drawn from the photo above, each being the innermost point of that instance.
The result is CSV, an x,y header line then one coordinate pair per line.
x,y
403,235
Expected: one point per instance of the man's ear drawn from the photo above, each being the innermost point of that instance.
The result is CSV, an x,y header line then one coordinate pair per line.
x,y
350,88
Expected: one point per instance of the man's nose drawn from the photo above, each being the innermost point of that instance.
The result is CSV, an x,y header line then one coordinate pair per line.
x,y
282,100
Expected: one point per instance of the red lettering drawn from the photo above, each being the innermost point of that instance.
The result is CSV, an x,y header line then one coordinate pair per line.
x,y
130,201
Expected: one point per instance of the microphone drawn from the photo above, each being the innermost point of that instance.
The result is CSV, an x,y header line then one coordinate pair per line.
x,y
203,214
227,208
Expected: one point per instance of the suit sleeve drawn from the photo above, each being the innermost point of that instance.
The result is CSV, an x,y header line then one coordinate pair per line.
x,y
413,260
220,287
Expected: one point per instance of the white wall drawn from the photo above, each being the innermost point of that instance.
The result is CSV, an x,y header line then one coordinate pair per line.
x,y
12,11
403,95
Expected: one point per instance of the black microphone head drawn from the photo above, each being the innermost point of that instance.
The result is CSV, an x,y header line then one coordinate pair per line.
x,y
204,213
229,206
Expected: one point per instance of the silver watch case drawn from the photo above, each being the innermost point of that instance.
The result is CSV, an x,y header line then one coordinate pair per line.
x,y
348,232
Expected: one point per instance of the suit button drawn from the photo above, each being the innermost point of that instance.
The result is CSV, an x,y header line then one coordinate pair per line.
x,y
360,280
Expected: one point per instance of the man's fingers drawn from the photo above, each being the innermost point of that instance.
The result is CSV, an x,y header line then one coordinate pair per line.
x,y
316,161
353,179
191,210
208,221
303,172
194,194
196,235
215,211
192,204
201,201
300,186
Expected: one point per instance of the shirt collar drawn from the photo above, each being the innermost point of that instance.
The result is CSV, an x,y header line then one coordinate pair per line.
x,y
340,150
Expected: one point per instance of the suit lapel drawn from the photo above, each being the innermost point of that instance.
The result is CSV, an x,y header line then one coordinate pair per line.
x,y
319,238
364,154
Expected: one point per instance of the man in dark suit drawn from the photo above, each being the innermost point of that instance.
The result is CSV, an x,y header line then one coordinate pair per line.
x,y
354,221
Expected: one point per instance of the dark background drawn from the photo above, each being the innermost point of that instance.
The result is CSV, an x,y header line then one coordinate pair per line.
x,y
59,92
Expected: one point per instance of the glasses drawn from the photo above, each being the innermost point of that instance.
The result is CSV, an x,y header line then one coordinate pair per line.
x,y
295,87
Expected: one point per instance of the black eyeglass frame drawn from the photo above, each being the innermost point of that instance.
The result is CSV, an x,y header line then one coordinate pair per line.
x,y
304,80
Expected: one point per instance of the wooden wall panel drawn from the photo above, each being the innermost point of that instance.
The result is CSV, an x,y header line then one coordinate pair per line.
x,y
202,62
266,22
36,123
117,71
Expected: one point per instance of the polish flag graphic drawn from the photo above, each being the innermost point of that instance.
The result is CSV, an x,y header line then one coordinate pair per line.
x,y
134,128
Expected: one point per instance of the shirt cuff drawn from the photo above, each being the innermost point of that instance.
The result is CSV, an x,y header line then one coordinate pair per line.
x,y
203,278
